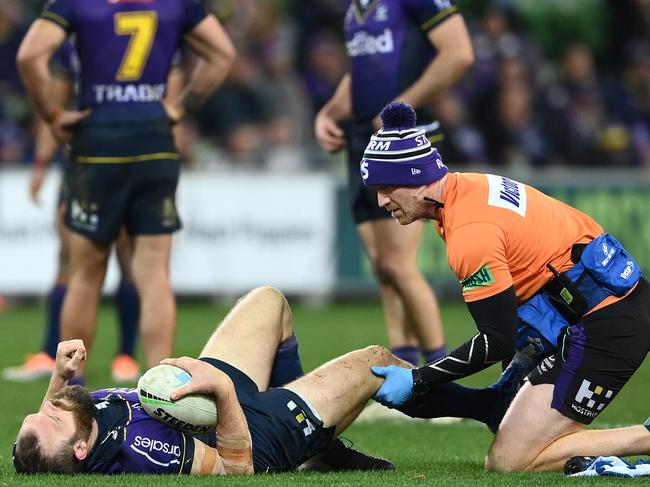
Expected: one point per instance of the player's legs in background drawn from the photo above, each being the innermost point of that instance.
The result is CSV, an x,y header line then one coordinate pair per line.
x,y
125,367
150,268
340,389
401,339
257,338
88,261
41,364
411,311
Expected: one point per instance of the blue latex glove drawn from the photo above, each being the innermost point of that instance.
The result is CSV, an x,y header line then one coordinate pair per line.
x,y
398,386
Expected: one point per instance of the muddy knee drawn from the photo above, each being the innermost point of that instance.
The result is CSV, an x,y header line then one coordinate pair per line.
x,y
265,294
376,355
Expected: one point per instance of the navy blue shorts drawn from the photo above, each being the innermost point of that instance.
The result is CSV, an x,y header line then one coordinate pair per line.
x,y
598,356
284,429
123,175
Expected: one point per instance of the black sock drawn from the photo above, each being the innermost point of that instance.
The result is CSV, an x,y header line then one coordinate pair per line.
x,y
407,353
485,405
434,354
287,365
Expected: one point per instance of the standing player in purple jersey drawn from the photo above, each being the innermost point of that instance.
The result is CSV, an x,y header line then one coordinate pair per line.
x,y
270,418
125,165
65,72
407,50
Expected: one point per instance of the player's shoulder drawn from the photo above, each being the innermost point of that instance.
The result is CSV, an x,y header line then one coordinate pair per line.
x,y
430,13
431,5
124,393
65,5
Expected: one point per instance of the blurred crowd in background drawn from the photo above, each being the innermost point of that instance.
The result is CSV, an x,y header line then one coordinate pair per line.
x,y
559,82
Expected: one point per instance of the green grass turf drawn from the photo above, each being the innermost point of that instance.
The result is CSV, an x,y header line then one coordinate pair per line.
x,y
425,454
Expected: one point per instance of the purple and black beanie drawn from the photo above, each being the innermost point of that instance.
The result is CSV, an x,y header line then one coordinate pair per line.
x,y
400,154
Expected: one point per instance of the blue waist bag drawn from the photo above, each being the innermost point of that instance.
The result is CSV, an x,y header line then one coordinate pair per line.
x,y
605,269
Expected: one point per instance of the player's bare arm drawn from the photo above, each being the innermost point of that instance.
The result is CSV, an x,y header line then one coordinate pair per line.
x,y
455,56
40,43
216,53
233,454
326,126
46,144
69,355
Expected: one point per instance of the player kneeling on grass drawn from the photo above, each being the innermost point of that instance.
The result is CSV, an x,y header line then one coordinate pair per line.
x,y
261,427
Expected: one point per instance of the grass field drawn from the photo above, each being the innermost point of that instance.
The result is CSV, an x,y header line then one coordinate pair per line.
x,y
425,454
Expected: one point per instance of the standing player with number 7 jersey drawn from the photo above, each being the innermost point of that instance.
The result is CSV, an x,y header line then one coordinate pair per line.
x,y
125,165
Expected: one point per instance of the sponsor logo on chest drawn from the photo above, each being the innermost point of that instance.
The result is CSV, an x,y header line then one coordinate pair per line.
x,y
506,193
128,93
153,445
364,44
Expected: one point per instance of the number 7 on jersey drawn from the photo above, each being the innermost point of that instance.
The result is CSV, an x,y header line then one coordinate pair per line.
x,y
141,26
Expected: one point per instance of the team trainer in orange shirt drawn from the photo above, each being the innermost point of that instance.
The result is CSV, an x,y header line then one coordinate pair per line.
x,y
538,277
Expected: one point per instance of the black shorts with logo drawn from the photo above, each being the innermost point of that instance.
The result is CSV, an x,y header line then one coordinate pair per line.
x,y
597,357
284,430
123,174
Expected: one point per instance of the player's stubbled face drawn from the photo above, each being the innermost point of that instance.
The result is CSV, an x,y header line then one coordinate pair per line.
x,y
399,202
67,417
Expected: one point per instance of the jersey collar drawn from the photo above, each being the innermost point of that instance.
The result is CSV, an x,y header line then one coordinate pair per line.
x,y
363,8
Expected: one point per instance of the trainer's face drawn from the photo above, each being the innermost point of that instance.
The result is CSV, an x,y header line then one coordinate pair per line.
x,y
401,202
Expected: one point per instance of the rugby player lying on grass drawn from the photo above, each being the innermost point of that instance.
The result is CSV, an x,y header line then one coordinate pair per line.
x,y
261,427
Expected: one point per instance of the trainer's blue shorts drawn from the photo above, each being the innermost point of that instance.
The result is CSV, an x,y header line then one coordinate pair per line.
x,y
284,429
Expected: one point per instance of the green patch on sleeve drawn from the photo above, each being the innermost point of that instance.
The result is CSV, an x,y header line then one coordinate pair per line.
x,y
482,277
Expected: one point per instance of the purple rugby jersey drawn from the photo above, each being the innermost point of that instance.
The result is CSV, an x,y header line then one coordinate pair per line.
x,y
65,59
125,47
130,441
388,48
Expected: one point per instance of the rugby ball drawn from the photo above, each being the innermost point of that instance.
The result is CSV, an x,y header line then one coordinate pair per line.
x,y
193,414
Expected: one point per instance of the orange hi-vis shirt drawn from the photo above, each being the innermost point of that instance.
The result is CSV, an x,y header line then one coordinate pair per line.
x,y
500,233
